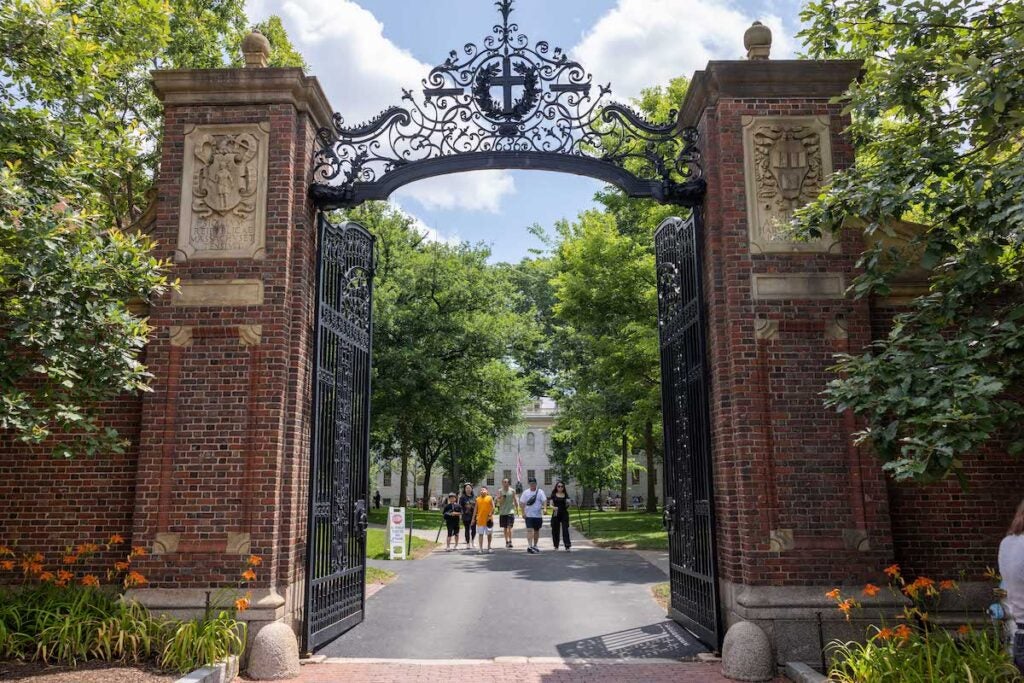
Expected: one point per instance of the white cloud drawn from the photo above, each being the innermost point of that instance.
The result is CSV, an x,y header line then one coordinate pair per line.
x,y
363,73
640,43
430,233
472,191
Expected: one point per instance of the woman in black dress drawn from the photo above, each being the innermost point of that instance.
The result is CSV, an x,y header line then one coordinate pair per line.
x,y
560,518
468,503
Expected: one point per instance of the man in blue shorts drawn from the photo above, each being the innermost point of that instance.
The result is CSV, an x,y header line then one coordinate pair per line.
x,y
532,502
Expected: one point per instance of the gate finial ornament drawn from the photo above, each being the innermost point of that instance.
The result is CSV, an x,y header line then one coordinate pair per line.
x,y
507,103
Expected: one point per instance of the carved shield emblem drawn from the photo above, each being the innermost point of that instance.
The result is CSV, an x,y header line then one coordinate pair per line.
x,y
227,177
789,165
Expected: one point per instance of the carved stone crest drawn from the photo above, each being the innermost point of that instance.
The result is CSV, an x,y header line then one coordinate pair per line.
x,y
788,159
224,192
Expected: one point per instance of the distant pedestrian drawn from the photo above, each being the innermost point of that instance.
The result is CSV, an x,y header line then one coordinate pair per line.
x,y
560,517
467,501
1011,568
533,500
508,508
485,519
376,500
452,514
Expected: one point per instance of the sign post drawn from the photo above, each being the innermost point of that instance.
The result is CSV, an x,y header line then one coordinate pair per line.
x,y
396,533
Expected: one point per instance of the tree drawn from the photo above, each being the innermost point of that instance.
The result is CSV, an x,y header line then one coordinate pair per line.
x,y
79,129
938,123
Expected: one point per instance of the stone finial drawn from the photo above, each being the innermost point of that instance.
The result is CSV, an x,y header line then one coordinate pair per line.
x,y
758,41
256,50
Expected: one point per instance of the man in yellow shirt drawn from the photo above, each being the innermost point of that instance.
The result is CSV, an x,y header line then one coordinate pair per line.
x,y
484,519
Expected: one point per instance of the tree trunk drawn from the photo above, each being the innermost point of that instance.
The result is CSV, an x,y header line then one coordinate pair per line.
x,y
426,485
625,472
652,496
403,488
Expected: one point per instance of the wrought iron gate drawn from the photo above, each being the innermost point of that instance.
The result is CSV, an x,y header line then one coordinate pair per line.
x,y
689,503
338,477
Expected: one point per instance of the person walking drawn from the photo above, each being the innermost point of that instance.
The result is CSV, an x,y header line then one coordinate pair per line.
x,y
1011,568
533,500
485,519
452,513
508,508
376,500
467,501
560,517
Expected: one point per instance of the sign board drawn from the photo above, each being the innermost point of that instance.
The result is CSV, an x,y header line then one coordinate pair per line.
x,y
396,532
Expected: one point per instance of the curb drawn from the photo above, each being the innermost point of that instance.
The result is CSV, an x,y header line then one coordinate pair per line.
x,y
802,673
222,672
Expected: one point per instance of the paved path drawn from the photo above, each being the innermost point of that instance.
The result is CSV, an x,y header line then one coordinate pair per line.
x,y
334,671
591,603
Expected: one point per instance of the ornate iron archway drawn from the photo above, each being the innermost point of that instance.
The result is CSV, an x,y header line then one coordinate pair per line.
x,y
548,115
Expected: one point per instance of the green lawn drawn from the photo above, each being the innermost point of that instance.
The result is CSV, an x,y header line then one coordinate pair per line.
x,y
660,591
377,575
377,545
622,529
421,519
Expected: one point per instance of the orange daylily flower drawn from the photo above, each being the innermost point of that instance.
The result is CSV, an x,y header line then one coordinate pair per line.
x,y
70,559
921,583
964,630
122,565
32,564
845,606
903,632
116,539
249,575
833,594
885,633
7,564
86,548
64,576
138,551
90,580
892,571
134,579
5,551
242,604
947,585
871,590
254,561
46,577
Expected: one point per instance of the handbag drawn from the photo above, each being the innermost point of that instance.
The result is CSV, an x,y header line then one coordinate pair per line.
x,y
533,499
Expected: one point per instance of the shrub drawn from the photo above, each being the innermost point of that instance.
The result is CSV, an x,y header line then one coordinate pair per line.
x,y
913,648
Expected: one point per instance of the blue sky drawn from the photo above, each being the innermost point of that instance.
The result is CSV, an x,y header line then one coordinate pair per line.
x,y
365,51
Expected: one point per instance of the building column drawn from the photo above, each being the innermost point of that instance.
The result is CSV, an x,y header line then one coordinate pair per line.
x,y
222,471
799,508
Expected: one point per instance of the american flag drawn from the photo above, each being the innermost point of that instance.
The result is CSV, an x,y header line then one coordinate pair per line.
x,y
519,468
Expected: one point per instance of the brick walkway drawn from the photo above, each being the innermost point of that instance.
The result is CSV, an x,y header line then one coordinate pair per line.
x,y
534,670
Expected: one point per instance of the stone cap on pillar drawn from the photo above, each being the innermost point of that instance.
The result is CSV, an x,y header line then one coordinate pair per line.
x,y
244,86
766,79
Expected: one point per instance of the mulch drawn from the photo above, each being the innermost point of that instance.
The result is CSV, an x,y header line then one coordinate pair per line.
x,y
86,672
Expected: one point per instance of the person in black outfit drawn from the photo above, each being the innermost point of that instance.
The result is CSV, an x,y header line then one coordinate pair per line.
x,y
452,513
467,501
560,518
376,500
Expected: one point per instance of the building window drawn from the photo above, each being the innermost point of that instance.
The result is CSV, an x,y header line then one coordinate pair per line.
x,y
507,474
547,477
387,502
531,441
490,479
636,476
387,477
531,474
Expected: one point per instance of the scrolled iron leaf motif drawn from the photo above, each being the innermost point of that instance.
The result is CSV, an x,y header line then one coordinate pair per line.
x,y
507,103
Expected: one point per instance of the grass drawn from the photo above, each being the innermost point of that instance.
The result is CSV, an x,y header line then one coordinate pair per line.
x,y
632,530
377,546
660,591
421,519
377,575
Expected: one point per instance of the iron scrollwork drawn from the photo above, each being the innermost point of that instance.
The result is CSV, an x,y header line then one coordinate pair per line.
x,y
549,115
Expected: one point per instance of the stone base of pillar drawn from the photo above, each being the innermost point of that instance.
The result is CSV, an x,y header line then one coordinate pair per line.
x,y
800,621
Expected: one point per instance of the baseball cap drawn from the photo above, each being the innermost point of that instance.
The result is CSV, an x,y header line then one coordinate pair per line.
x,y
531,480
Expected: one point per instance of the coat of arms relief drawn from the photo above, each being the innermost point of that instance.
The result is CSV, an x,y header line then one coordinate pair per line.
x,y
223,208
787,162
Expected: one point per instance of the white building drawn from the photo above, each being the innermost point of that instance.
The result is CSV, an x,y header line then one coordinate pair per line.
x,y
530,444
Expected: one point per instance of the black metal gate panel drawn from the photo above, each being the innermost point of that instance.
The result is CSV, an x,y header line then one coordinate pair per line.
x,y
689,501
339,468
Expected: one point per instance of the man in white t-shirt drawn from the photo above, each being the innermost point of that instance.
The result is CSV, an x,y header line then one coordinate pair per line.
x,y
532,502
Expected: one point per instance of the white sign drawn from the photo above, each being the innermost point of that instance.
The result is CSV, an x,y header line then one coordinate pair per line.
x,y
396,532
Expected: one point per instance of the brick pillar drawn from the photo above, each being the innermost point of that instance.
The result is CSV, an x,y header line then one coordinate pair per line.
x,y
224,446
799,508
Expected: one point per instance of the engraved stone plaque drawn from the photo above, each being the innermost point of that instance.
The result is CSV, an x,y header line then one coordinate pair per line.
x,y
788,160
224,192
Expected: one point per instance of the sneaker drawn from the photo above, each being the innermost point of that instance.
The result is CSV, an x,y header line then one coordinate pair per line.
x,y
530,550
536,549
490,551
568,549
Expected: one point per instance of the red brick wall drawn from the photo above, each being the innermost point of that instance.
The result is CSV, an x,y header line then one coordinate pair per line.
x,y
782,460
52,503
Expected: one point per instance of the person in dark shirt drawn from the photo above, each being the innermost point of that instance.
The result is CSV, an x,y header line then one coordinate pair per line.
x,y
467,501
560,518
452,514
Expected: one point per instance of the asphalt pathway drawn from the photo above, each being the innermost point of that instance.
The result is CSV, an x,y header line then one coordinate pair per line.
x,y
591,603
